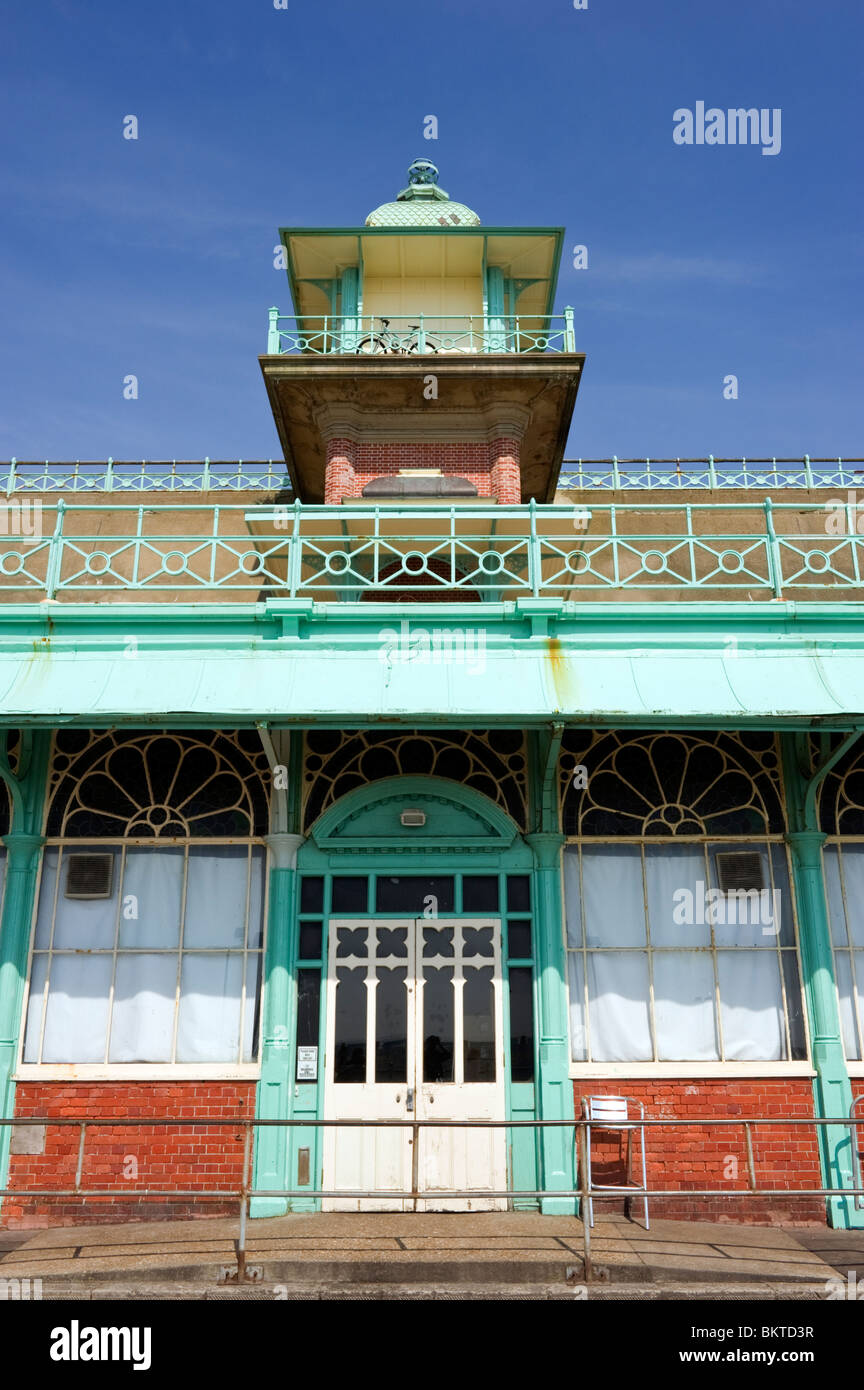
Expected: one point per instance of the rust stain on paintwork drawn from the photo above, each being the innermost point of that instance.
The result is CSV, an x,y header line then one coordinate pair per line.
x,y
562,675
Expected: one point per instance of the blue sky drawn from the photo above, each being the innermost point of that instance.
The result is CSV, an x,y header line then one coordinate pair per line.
x,y
155,257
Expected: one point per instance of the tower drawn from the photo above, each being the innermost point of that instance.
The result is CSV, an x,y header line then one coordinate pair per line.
x,y
423,360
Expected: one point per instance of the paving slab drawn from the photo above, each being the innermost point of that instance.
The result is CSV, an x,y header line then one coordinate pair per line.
x,y
345,1249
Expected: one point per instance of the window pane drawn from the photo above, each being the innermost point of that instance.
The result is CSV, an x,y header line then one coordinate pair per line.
x,y
256,897
618,1001
746,918
614,900
152,899
34,1008
76,1021
578,1035
852,859
208,1024
751,1006
308,1007
519,893
412,894
846,995
391,1025
480,893
311,934
350,895
349,1034
684,1007
254,967
311,894
86,924
47,888
834,894
675,881
216,896
521,1025
572,896
780,865
438,1046
794,1005
142,1023
519,939
479,1016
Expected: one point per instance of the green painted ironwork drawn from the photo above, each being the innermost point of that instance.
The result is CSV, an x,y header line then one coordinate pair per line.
x,y
24,842
174,476
832,1091
615,474
486,553
422,333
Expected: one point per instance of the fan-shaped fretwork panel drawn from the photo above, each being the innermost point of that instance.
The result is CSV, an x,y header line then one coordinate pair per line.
x,y
492,762
158,785
668,784
841,799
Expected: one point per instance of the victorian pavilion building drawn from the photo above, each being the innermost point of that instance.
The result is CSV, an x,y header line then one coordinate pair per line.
x,y
423,775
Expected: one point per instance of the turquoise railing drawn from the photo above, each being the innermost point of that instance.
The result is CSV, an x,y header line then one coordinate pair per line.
x,y
755,550
146,476
667,475
671,474
420,333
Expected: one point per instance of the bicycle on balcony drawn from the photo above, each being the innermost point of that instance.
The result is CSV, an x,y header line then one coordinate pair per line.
x,y
385,340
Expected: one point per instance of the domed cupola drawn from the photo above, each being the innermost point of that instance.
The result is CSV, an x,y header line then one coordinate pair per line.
x,y
423,204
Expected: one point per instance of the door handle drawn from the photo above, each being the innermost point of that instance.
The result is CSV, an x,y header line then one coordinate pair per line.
x,y
409,1099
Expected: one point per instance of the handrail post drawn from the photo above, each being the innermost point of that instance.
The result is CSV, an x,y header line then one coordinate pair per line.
x,y
569,330
712,472
244,1203
808,471
273,331
533,552
206,478
751,1167
80,1167
775,570
584,1200
295,557
421,336
55,553
10,481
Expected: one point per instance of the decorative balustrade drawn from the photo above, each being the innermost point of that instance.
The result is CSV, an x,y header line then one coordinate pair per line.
x,y
420,333
146,476
113,551
669,474
576,475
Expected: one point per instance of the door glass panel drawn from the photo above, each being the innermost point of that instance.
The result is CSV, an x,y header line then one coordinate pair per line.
x,y
350,895
308,999
411,894
438,1023
310,940
480,893
349,1040
437,942
391,1024
479,1023
351,942
392,942
477,941
521,1025
519,939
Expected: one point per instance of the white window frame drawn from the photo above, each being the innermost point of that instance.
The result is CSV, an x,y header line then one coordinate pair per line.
x,y
141,1071
589,1070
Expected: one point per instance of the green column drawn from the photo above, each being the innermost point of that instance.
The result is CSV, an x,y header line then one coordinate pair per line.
x,y
276,1087
832,1092
554,1088
24,847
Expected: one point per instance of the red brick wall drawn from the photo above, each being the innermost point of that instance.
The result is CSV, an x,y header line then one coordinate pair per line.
x,y
197,1156
492,468
784,1156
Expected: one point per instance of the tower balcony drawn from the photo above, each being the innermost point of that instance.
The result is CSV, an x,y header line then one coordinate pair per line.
x,y
419,334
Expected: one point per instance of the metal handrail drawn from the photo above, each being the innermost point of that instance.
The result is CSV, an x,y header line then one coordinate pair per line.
x,y
246,1191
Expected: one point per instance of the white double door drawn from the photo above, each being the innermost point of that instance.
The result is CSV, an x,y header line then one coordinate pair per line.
x,y
414,1031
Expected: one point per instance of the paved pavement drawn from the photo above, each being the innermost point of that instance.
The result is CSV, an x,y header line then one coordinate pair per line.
x,y
392,1255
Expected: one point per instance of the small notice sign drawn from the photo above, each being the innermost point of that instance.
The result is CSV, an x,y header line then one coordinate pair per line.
x,y
307,1064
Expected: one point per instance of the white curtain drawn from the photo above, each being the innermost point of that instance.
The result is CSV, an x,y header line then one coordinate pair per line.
x,y
142,1021
853,874
208,1025
152,899
618,1004
76,1020
684,1006
669,869
751,1006
614,898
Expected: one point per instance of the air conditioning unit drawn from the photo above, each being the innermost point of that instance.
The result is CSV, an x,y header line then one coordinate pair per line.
x,y
740,871
89,876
